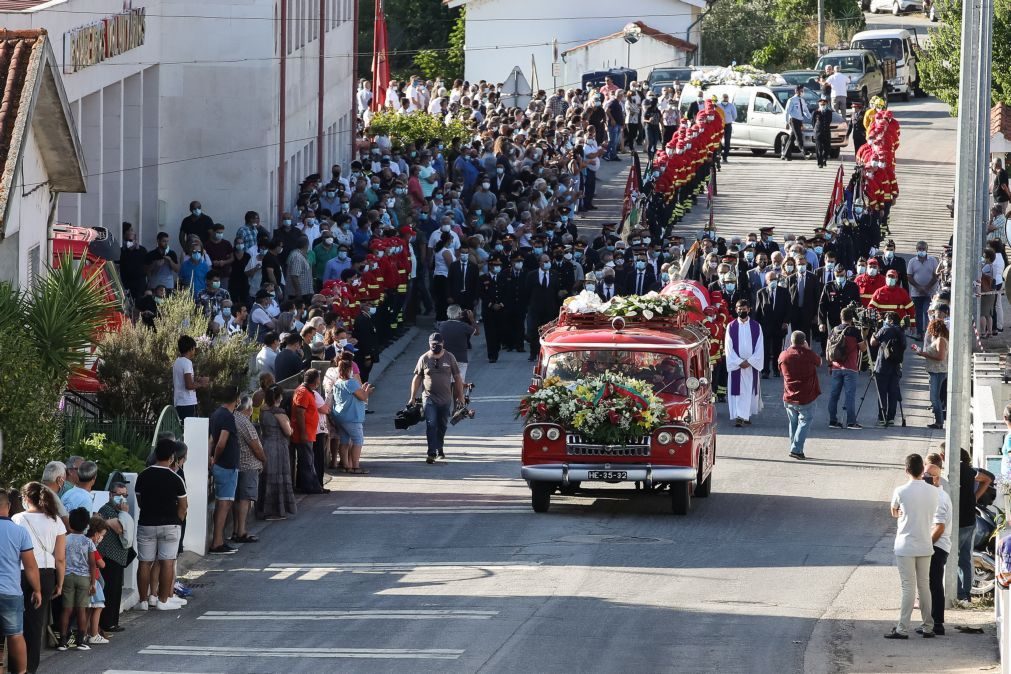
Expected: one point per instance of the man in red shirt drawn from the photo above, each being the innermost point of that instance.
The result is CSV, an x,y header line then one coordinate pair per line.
x,y
305,409
799,367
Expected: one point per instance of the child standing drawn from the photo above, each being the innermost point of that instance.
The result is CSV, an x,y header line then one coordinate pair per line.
x,y
79,580
96,532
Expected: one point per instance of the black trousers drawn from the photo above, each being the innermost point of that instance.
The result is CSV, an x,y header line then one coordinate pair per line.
x,y
320,450
590,188
773,347
513,329
796,139
937,562
37,619
440,296
303,468
728,132
632,133
888,389
113,576
494,331
821,149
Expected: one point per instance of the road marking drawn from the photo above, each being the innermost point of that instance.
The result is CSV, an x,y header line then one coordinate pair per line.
x,y
320,571
140,671
421,614
315,653
495,399
430,510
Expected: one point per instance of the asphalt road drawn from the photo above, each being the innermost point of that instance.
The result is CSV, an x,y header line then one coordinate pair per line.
x,y
446,569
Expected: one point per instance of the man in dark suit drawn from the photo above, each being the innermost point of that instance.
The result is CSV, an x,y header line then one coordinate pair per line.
x,y
766,244
835,297
493,310
542,293
772,311
890,261
805,292
512,288
463,280
641,279
608,286
368,346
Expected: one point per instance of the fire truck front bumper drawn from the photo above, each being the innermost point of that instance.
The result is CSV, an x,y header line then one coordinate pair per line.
x,y
567,473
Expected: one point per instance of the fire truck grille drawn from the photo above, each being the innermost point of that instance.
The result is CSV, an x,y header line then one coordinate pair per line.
x,y
576,447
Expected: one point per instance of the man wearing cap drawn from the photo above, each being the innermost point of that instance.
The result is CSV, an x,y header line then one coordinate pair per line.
x,y
822,121
869,280
893,297
836,295
890,261
856,126
766,245
437,378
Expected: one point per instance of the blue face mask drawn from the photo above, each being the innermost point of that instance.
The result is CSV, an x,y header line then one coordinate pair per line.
x,y
640,265
341,255
538,250
819,249
730,287
118,500
546,266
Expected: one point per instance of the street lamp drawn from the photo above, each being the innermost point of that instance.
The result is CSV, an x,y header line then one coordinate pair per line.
x,y
631,33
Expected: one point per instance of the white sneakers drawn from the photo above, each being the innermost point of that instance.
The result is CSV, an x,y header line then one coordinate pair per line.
x,y
167,606
97,639
173,603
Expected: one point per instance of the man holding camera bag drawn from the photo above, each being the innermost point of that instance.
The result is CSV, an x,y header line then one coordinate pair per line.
x,y
437,374
843,349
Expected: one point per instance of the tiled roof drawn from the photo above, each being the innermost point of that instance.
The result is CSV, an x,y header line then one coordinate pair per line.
x,y
1000,120
16,48
666,38
20,5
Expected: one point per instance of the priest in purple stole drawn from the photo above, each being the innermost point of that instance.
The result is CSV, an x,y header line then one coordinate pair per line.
x,y
745,353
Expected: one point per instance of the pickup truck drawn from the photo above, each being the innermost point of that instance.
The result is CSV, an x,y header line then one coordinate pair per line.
x,y
868,75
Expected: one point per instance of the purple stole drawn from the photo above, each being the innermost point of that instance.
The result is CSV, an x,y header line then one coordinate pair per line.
x,y
735,376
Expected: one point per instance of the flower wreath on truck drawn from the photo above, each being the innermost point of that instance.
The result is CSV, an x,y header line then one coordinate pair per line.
x,y
607,409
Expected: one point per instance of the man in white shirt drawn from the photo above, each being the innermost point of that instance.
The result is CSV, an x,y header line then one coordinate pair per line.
x,y
795,115
184,382
839,84
591,153
941,535
393,97
363,97
914,504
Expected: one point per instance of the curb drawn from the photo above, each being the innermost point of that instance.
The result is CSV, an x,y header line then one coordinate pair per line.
x,y
392,352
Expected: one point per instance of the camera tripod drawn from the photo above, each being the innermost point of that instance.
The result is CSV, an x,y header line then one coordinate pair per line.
x,y
874,380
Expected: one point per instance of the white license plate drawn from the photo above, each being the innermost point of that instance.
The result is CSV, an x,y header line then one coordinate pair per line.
x,y
606,475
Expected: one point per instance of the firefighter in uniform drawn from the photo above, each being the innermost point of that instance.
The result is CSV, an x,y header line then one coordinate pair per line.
x,y
836,295
893,297
869,281
493,308
510,288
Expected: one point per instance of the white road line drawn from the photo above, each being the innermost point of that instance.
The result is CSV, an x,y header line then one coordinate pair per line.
x,y
495,399
315,653
141,671
388,566
430,510
422,614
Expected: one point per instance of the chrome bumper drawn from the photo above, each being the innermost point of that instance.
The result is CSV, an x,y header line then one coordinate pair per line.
x,y
565,473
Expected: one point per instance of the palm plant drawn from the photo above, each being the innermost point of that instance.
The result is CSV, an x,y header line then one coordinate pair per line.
x,y
47,332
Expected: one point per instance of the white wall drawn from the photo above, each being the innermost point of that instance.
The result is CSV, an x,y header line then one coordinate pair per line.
x,y
494,25
27,226
643,57
151,118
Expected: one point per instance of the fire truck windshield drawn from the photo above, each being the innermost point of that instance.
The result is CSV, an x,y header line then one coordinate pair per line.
x,y
665,372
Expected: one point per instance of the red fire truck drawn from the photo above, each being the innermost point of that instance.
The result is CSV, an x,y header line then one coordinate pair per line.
x,y
96,249
677,456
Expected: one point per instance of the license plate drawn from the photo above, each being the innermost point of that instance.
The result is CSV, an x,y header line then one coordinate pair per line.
x,y
606,475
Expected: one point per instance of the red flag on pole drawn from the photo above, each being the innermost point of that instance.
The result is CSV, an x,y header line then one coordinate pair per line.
x,y
380,59
633,185
838,196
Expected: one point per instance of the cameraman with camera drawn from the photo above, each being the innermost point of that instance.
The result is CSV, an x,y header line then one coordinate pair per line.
x,y
890,342
438,375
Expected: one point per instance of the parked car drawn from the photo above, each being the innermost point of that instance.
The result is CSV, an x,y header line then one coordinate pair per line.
x,y
807,78
760,125
665,77
868,75
901,46
896,7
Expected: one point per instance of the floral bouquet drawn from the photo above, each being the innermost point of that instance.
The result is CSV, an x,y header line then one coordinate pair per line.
x,y
650,305
609,409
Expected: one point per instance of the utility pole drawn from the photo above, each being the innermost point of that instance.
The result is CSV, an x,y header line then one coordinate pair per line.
x,y
821,25
973,148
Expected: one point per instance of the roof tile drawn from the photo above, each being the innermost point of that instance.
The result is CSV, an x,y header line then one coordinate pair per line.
x,y
20,5
666,38
1000,120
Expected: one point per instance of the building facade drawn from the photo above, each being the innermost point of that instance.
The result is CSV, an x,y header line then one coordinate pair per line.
x,y
178,101
502,34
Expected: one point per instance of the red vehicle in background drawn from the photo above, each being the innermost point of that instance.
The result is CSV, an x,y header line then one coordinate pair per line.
x,y
680,454
97,250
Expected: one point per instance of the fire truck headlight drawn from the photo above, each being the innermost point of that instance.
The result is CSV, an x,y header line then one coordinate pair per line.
x,y
664,438
681,437
536,434
554,434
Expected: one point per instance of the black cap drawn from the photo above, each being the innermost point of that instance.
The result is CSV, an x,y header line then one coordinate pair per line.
x,y
435,338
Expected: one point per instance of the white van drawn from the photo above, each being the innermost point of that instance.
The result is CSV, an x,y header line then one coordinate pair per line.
x,y
903,47
760,125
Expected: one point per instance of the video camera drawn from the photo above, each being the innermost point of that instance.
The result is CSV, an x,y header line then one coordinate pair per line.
x,y
463,411
409,416
867,319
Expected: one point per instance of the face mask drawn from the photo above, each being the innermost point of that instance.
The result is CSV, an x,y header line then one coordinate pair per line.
x,y
640,265
921,254
345,206
372,311
545,266
215,284
750,257
226,312
486,185
118,500
197,212
892,282
197,257
129,244
499,247
579,254
823,107
774,284
444,228
390,203
801,268
889,255
218,236
840,281
342,255
608,247
743,314
286,222
436,348
819,250
861,269
567,256
159,300
872,271
331,195
790,268
712,265
538,250
609,280
517,266
272,294
618,262
729,286
496,270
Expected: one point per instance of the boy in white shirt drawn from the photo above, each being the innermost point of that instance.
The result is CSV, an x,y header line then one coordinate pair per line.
x,y
941,535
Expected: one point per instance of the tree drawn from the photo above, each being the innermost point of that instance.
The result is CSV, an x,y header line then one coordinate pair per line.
x,y
941,60
447,64
45,333
773,34
414,26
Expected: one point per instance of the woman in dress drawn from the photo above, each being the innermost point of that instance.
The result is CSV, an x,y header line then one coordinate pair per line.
x,y
276,497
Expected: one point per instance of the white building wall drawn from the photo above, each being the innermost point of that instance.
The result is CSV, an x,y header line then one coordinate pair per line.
x,y
27,224
502,34
193,113
643,57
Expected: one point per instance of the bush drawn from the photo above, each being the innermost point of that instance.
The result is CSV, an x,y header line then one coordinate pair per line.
x,y
417,128
136,366
110,457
